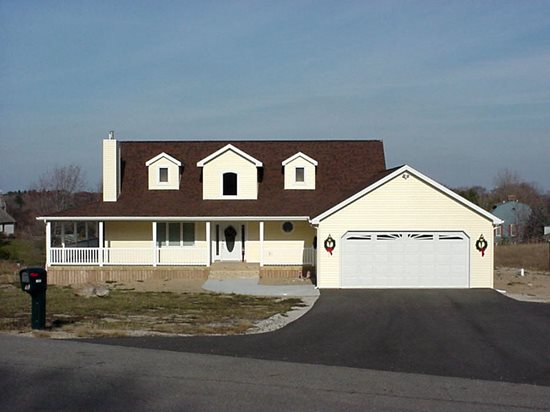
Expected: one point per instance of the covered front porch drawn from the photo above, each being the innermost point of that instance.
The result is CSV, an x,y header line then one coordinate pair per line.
x,y
173,242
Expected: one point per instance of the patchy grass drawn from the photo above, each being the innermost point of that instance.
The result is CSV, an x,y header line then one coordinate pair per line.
x,y
127,312
532,256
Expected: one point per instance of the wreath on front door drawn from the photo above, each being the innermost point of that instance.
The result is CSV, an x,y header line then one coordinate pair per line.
x,y
481,245
330,244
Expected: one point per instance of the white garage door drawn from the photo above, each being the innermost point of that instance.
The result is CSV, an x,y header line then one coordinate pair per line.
x,y
405,260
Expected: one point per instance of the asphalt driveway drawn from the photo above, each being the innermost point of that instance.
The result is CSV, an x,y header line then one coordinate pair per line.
x,y
475,333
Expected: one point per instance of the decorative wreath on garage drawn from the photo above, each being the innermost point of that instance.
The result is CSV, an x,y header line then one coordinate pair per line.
x,y
481,245
330,244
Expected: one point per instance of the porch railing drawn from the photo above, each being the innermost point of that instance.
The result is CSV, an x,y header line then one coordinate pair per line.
x,y
127,256
189,256
74,256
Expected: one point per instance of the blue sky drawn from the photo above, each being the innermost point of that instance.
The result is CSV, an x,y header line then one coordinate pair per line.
x,y
459,90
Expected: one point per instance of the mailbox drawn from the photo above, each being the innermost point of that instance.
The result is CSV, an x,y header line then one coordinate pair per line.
x,y
34,281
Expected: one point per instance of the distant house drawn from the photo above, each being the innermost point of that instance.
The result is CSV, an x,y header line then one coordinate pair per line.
x,y
7,223
515,215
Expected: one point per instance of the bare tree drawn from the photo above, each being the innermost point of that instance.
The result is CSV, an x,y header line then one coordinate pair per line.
x,y
510,186
507,178
55,190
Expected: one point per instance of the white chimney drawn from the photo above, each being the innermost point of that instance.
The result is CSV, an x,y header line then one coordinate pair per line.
x,y
111,169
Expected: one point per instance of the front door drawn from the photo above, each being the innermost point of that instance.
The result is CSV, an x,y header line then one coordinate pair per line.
x,y
231,244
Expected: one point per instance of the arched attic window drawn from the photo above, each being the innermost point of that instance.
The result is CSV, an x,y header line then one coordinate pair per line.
x,y
230,184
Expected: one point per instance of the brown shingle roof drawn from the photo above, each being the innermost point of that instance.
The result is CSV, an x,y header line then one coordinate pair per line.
x,y
344,168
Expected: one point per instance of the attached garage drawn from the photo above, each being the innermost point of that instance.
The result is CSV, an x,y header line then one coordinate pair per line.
x,y
405,231
395,259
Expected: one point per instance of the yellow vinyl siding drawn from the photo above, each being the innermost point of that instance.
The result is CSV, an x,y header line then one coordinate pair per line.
x,y
276,240
252,242
247,176
406,204
200,236
140,234
303,231
290,175
279,245
173,175
128,234
110,170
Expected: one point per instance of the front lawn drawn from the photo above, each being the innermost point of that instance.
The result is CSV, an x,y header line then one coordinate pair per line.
x,y
126,312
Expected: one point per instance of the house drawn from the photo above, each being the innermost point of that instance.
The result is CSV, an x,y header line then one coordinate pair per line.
x,y
177,208
7,223
514,215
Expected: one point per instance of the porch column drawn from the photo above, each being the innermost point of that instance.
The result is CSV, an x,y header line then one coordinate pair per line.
x,y
155,248
208,244
261,243
100,252
48,243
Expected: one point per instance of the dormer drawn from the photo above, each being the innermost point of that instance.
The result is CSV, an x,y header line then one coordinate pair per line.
x,y
229,173
164,172
299,171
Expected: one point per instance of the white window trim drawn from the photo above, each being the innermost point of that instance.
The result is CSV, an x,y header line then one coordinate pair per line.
x,y
298,155
166,244
232,148
163,155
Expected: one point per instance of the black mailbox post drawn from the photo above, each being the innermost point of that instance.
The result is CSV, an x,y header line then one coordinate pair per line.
x,y
34,281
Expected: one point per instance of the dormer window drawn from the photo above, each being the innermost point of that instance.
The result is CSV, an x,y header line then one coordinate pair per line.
x,y
230,173
300,175
163,175
230,184
164,172
300,171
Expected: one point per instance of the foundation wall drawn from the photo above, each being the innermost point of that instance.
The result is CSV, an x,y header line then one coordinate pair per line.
x,y
285,272
83,274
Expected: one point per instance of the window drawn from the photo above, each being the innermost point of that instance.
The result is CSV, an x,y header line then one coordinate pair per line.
x,y
513,230
163,175
300,174
498,231
230,184
175,234
288,227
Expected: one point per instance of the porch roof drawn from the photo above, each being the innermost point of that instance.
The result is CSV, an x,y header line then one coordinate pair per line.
x,y
344,168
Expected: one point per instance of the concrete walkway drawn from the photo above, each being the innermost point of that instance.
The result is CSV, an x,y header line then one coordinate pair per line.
x,y
251,287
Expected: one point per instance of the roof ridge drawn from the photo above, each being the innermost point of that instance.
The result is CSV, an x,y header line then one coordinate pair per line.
x,y
255,141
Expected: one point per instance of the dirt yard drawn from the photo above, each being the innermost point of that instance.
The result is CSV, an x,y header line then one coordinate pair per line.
x,y
534,259
534,286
